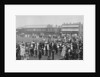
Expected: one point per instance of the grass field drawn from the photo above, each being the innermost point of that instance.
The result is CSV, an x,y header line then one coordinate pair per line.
x,y
28,39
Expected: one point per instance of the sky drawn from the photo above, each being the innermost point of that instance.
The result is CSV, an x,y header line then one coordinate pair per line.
x,y
38,20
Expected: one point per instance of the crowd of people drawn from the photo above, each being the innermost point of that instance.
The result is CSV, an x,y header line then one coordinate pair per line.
x,y
70,47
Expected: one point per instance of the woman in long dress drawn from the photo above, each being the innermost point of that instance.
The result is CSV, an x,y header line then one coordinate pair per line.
x,y
63,51
35,50
44,49
22,53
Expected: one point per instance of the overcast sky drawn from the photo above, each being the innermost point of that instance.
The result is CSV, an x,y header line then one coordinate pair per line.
x,y
24,20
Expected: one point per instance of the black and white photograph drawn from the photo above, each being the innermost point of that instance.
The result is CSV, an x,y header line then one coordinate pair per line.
x,y
49,37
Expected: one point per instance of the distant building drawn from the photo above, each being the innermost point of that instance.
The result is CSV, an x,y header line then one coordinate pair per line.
x,y
49,29
75,28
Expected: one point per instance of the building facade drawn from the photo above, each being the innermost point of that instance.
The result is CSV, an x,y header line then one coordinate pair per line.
x,y
72,28
75,28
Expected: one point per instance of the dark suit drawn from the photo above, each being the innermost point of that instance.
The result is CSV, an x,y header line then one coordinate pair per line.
x,y
18,57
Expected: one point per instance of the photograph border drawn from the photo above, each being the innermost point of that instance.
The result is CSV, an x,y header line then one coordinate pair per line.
x,y
22,73
85,10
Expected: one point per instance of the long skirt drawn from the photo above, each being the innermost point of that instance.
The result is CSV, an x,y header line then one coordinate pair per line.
x,y
22,53
63,53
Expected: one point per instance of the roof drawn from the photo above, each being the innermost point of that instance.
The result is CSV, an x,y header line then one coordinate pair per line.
x,y
70,25
69,29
